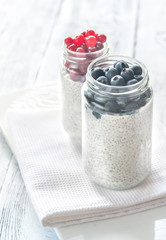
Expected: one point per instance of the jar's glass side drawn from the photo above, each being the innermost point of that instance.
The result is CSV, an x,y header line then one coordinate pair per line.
x,y
117,144
73,70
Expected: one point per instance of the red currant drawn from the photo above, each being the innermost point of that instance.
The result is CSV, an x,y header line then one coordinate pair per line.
x,y
99,45
101,38
83,33
90,41
89,33
78,40
68,41
80,50
72,47
84,47
92,49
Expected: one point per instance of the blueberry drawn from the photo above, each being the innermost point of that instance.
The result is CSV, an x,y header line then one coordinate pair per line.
x,y
96,114
111,106
120,65
111,73
97,72
131,106
107,69
127,74
121,101
138,77
132,81
103,80
117,81
137,70
88,95
99,99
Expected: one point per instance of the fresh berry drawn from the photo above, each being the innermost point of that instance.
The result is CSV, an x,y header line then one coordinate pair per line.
x,y
84,47
131,106
138,77
96,114
90,41
83,33
78,40
88,95
97,72
89,33
111,106
120,65
127,74
92,49
117,81
101,38
132,81
99,99
111,73
137,70
103,80
80,50
68,41
83,67
72,47
107,69
76,76
99,45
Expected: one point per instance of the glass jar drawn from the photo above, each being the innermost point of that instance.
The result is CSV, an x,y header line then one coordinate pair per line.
x,y
73,70
117,128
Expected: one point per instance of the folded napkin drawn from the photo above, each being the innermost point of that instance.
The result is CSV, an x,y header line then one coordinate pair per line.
x,y
59,189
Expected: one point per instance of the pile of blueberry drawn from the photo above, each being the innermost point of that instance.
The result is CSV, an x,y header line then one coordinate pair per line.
x,y
118,75
85,48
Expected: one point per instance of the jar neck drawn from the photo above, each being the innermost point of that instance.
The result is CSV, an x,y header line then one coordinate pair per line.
x,y
117,91
76,56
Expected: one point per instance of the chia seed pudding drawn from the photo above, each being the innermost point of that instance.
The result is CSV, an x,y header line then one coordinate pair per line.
x,y
117,123
78,53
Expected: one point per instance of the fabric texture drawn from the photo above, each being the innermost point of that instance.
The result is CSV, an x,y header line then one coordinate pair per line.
x,y
52,170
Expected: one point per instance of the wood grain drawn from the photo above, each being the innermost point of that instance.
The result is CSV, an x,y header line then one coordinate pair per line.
x,y
25,32
117,19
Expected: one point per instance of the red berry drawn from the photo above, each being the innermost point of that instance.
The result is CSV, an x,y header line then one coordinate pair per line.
x,y
84,47
68,41
90,41
76,76
80,50
72,47
101,38
83,33
99,45
92,49
78,40
89,33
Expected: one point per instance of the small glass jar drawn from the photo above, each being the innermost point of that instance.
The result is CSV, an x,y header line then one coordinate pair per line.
x,y
117,128
73,71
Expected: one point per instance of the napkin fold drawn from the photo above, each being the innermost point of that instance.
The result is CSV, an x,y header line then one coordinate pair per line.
x,y
52,170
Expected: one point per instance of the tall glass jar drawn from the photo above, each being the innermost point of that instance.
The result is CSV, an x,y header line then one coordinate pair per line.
x,y
73,70
117,128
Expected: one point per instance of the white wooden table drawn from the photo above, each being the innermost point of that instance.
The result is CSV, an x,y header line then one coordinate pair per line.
x,y
31,36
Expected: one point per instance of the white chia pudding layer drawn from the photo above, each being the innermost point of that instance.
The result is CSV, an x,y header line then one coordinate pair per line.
x,y
71,107
117,151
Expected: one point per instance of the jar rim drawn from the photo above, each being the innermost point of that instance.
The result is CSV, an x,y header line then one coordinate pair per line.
x,y
75,55
117,89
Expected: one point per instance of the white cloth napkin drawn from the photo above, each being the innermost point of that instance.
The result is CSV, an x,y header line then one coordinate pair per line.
x,y
55,180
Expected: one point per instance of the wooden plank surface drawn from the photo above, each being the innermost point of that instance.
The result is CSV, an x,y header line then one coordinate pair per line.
x,y
117,19
25,31
31,37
